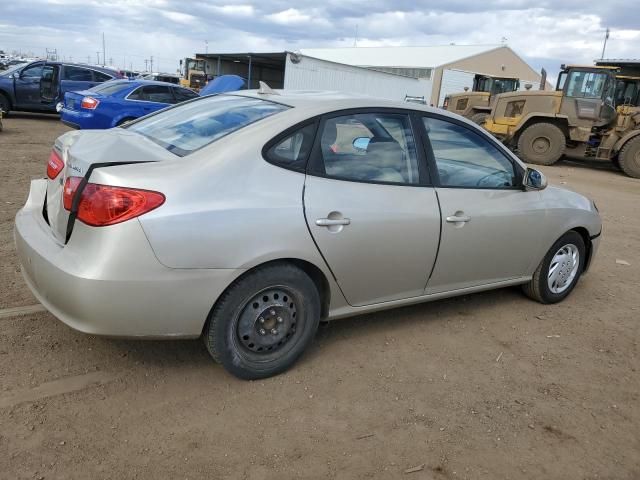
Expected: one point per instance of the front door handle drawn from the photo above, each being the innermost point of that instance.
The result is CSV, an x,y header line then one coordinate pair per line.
x,y
330,222
458,218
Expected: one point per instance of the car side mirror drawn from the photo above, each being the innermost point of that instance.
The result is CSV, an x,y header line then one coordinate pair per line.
x,y
534,180
361,143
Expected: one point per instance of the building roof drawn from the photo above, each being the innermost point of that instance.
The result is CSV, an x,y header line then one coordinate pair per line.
x,y
403,57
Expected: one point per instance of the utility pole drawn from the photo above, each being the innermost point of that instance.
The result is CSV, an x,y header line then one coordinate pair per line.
x,y
88,58
151,63
104,54
146,62
606,37
206,46
97,58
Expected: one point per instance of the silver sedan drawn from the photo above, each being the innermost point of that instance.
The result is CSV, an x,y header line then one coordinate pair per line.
x,y
247,218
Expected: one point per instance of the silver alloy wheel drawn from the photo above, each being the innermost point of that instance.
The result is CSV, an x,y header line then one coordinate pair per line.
x,y
563,268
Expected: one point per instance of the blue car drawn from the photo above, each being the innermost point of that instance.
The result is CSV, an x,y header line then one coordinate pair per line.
x,y
39,86
113,103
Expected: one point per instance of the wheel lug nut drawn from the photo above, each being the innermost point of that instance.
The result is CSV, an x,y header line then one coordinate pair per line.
x,y
274,331
261,320
279,319
262,331
273,312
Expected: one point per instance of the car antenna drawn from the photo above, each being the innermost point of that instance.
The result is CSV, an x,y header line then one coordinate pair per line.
x,y
266,89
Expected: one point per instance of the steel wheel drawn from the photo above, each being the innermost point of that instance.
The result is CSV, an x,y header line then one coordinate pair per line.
x,y
267,321
264,321
563,268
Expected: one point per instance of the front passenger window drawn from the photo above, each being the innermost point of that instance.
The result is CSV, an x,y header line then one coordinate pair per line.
x,y
465,159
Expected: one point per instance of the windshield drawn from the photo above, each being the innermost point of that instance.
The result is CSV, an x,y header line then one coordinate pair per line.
x,y
585,84
192,125
109,88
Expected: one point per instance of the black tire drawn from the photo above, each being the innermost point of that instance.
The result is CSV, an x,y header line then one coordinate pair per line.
x,y
538,287
257,303
629,158
5,104
542,144
479,118
616,162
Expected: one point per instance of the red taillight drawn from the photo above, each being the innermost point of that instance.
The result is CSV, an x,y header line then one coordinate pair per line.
x,y
70,187
89,103
102,205
54,165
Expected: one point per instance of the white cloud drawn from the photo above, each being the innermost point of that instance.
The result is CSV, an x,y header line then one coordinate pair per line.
x,y
289,16
179,17
234,10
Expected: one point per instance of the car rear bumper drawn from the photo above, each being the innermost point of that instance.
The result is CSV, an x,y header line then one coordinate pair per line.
x,y
107,281
77,119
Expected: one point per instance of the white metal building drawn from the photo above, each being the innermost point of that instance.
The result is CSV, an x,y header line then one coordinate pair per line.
x,y
445,69
302,72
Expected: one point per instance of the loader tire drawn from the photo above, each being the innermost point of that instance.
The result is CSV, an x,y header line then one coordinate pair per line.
x,y
629,158
542,144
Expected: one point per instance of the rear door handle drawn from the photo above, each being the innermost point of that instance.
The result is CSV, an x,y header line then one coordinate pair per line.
x,y
329,222
458,218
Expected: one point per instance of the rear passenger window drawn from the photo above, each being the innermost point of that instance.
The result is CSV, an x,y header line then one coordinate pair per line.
x,y
157,93
77,74
182,94
101,77
369,147
292,152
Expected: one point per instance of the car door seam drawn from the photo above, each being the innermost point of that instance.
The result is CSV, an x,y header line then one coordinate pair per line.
x,y
435,261
306,222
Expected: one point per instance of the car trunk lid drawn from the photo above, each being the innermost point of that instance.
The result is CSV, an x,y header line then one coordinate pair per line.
x,y
81,153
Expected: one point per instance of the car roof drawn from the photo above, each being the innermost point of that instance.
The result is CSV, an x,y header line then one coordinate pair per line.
x,y
137,83
327,101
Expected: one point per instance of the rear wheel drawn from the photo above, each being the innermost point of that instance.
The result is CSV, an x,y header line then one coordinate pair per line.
x,y
559,270
479,118
264,322
5,104
541,144
629,158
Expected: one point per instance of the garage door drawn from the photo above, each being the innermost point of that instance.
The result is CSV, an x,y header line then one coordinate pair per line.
x,y
454,81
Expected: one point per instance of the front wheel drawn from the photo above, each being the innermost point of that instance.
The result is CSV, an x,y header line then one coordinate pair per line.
x,y
629,158
541,144
5,104
264,322
559,270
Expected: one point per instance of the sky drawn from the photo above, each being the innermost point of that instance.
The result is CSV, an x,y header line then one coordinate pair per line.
x,y
544,32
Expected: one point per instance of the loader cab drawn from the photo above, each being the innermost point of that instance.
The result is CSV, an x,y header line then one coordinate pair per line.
x,y
495,85
588,94
627,91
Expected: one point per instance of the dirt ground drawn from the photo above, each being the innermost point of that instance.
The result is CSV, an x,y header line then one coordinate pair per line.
x,y
486,386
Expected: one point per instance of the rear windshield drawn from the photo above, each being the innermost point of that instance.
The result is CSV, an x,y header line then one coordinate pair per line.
x,y
111,87
194,124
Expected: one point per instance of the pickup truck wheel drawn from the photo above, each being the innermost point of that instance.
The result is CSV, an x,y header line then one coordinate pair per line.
x,y
559,270
629,158
542,144
5,104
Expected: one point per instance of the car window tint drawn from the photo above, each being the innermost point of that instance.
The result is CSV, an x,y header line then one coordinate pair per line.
x,y
183,94
101,77
77,74
292,151
192,125
137,94
109,88
32,72
157,93
369,147
465,159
